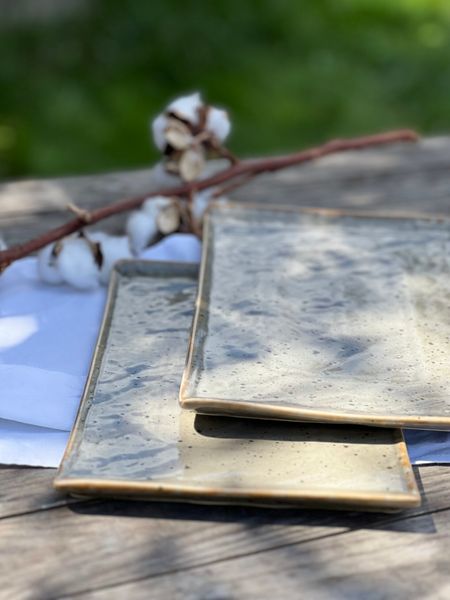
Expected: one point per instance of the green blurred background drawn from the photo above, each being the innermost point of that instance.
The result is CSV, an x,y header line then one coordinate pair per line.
x,y
80,78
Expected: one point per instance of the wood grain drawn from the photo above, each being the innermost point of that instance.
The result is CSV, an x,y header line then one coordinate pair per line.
x,y
404,177
24,490
56,547
360,564
28,208
127,541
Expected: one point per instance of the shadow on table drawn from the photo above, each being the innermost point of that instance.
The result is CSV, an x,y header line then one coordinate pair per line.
x,y
413,520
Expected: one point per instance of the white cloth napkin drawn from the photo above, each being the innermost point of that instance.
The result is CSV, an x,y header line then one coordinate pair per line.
x,y
47,336
22,444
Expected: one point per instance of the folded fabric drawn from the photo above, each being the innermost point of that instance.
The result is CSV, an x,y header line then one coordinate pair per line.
x,y
22,444
47,336
40,396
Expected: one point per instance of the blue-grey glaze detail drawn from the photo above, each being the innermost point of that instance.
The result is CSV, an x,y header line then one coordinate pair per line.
x,y
335,314
132,429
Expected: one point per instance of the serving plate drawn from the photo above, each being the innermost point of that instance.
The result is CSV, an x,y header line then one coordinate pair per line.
x,y
314,315
132,439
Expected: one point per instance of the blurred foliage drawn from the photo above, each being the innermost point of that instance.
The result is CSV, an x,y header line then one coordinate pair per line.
x,y
77,93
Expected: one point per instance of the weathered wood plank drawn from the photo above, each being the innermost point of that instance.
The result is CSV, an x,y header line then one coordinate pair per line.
x,y
409,178
371,565
399,178
125,541
420,192
42,196
18,229
29,208
24,490
430,155
150,550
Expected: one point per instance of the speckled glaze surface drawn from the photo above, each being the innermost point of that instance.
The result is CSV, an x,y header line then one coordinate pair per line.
x,y
132,438
312,315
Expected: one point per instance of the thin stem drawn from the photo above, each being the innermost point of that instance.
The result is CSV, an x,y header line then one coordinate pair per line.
x,y
241,169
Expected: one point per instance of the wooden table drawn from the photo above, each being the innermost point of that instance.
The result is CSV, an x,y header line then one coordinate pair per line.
x,y
58,547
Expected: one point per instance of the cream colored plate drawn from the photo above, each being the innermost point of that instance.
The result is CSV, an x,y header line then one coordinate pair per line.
x,y
314,316
132,439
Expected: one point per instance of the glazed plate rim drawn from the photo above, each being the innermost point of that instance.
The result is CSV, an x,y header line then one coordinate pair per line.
x,y
255,409
207,494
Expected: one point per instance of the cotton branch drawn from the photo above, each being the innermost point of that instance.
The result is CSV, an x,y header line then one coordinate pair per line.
x,y
242,170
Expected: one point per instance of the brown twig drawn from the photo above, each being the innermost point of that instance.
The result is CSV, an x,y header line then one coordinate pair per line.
x,y
241,169
81,213
222,151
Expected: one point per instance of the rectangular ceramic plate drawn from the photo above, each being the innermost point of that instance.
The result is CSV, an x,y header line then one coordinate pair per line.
x,y
318,316
132,439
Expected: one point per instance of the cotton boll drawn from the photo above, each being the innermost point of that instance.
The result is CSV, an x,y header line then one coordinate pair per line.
x,y
47,266
113,248
97,236
187,107
218,123
159,132
152,206
178,135
141,229
169,218
77,264
165,211
192,163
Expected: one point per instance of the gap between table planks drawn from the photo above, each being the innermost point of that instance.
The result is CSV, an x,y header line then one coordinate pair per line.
x,y
129,549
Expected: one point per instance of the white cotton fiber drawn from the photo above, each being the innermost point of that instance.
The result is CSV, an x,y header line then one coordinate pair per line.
x,y
113,248
152,206
141,229
76,264
187,107
218,123
47,266
97,236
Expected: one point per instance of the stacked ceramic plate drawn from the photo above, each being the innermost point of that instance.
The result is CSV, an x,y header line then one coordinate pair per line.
x,y
313,337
